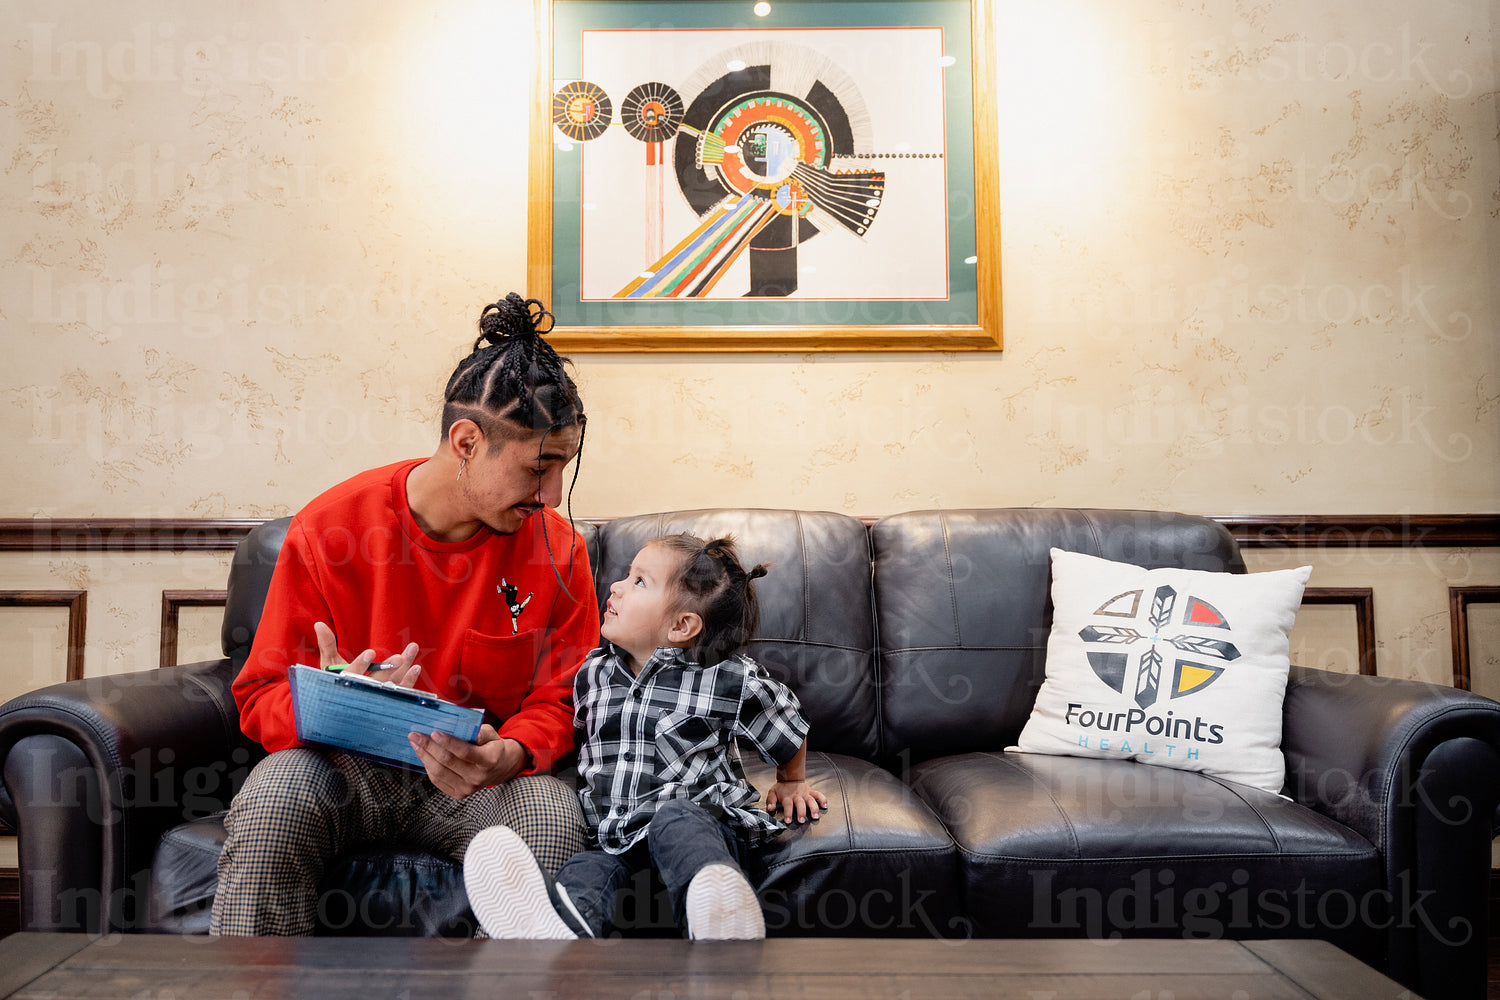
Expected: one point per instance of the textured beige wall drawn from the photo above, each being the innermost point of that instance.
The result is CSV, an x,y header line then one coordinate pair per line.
x,y
1250,265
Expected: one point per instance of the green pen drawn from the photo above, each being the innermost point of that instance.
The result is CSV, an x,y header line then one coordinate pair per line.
x,y
338,668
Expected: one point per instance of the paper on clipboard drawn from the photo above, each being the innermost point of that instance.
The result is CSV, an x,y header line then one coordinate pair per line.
x,y
372,718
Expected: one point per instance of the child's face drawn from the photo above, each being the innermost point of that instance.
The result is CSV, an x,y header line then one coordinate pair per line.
x,y
640,612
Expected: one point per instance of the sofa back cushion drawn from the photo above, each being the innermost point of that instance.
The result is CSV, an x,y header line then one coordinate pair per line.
x,y
816,623
963,610
249,579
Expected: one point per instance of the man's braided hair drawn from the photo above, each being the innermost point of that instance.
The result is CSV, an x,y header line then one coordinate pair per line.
x,y
515,386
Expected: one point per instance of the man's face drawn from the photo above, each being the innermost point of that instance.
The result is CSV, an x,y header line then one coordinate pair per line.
x,y
508,481
640,610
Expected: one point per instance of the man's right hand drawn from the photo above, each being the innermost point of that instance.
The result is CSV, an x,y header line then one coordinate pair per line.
x,y
400,669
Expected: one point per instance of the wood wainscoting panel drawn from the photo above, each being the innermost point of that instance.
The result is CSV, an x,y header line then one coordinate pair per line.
x,y
172,603
1362,599
1459,599
75,603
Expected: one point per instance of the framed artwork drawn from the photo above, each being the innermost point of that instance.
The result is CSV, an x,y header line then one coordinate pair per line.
x,y
791,175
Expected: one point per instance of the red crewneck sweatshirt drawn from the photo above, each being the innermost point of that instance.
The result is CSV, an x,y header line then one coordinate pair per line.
x,y
356,559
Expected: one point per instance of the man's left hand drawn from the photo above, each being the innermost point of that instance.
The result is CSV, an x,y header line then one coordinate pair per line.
x,y
460,769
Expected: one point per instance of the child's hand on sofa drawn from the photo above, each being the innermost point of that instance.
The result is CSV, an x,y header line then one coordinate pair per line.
x,y
796,798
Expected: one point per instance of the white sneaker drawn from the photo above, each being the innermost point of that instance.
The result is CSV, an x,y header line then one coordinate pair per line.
x,y
511,895
721,906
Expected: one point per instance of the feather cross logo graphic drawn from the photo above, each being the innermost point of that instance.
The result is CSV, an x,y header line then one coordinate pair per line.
x,y
1191,656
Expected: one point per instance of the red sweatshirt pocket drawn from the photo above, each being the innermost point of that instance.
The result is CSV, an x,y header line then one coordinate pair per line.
x,y
495,671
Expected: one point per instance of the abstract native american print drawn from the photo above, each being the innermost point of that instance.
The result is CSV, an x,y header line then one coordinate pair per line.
x,y
1187,652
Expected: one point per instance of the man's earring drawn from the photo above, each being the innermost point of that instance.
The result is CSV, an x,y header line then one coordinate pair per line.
x,y
461,463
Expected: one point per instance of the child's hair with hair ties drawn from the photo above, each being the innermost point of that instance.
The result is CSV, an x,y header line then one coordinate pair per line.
x,y
711,583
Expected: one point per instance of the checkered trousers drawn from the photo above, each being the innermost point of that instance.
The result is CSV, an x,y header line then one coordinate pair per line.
x,y
300,808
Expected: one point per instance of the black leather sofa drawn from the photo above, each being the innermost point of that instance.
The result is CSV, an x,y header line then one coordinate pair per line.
x,y
916,644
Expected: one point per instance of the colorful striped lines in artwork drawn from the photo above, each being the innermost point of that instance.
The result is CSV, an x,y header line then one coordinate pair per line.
x,y
694,266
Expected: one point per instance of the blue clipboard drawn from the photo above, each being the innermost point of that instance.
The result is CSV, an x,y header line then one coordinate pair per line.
x,y
372,718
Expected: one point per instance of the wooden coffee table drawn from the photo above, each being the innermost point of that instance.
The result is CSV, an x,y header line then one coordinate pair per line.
x,y
157,966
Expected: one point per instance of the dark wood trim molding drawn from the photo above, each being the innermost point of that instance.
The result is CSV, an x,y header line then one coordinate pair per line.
x,y
123,535
10,901
1334,531
76,601
1362,531
172,603
1363,599
1459,599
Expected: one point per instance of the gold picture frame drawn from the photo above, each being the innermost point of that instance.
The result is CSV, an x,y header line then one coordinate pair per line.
x,y
982,334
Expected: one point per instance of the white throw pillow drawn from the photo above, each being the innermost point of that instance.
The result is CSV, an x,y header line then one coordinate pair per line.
x,y
1176,667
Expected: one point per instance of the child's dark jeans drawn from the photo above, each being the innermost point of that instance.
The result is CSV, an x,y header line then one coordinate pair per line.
x,y
681,839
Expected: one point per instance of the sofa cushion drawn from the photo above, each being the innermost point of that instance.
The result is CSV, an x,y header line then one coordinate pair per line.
x,y
816,624
962,610
184,875
371,893
1073,847
876,863
1171,667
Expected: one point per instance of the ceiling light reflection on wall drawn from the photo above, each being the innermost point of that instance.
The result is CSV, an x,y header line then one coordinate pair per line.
x,y
453,117
1063,141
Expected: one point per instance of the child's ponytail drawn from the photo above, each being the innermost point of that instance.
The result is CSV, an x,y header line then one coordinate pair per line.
x,y
717,588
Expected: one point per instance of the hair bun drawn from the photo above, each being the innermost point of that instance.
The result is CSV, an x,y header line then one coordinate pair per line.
x,y
757,572
512,318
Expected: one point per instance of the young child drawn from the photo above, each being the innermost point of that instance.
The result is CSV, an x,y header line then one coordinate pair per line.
x,y
657,708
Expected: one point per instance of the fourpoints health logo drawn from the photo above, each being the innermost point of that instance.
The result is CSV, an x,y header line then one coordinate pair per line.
x,y
1154,650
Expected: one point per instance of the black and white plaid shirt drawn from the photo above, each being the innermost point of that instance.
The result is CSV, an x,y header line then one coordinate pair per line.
x,y
669,733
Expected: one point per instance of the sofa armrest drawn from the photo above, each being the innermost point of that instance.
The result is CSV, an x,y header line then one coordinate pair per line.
x,y
1415,768
1356,747
96,770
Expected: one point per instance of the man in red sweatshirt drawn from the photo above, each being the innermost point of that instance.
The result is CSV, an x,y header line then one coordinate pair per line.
x,y
452,574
